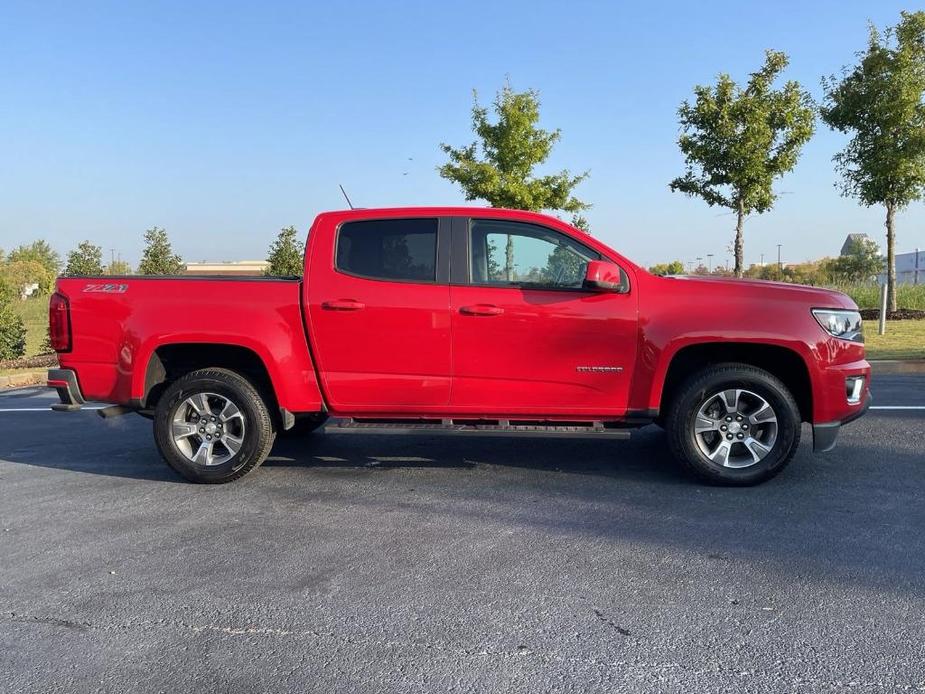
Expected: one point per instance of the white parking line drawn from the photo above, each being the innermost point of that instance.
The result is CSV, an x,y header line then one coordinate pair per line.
x,y
47,409
897,407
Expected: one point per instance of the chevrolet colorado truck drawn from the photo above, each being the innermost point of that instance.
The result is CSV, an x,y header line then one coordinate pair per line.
x,y
462,320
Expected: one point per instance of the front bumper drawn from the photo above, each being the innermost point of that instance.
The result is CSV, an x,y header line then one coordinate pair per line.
x,y
825,434
65,382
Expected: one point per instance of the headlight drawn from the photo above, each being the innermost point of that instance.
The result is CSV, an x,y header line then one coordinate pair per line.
x,y
845,325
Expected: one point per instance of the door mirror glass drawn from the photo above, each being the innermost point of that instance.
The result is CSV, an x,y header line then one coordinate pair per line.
x,y
604,276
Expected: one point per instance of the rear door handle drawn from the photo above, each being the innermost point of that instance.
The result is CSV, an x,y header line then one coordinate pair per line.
x,y
481,310
343,305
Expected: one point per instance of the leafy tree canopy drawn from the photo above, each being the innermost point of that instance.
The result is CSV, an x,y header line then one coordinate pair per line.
x,y
675,267
860,263
39,254
737,141
19,274
85,260
879,102
158,257
118,267
286,254
499,166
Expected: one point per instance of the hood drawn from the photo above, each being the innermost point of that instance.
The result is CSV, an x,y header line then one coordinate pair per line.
x,y
817,297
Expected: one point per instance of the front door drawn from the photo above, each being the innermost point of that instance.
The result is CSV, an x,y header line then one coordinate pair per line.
x,y
380,317
528,339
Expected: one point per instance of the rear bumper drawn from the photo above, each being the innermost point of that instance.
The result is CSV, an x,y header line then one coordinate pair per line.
x,y
65,382
825,434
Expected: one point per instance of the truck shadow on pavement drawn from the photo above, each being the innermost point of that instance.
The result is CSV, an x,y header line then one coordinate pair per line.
x,y
855,514
645,458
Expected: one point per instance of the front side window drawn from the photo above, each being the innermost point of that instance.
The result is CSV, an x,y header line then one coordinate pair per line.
x,y
525,255
389,249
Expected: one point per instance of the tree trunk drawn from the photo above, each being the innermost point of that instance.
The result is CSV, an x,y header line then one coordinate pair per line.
x,y
740,242
509,259
890,256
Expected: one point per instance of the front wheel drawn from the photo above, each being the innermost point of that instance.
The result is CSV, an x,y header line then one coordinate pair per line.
x,y
734,424
212,426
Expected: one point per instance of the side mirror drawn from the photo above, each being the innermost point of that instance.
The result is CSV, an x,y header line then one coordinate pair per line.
x,y
604,276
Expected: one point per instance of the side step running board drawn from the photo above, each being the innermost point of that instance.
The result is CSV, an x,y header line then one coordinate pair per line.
x,y
500,427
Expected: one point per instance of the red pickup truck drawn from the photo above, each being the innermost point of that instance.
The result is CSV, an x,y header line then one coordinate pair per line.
x,y
463,320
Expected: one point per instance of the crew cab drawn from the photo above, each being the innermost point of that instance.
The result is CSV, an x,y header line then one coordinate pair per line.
x,y
465,321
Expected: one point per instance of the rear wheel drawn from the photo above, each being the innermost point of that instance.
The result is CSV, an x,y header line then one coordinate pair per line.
x,y
212,426
734,424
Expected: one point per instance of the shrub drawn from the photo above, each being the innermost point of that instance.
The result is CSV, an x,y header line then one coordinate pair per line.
x,y
867,295
12,333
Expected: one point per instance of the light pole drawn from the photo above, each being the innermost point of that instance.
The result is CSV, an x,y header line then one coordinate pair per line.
x,y
780,268
710,263
699,261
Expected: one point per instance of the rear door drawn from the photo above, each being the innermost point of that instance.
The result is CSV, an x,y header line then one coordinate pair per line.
x,y
378,305
527,337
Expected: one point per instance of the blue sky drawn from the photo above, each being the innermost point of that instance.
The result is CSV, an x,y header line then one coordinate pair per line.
x,y
224,121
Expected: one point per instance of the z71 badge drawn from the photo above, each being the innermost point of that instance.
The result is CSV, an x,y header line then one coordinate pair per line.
x,y
107,288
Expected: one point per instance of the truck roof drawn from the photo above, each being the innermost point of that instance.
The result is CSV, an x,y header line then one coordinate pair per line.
x,y
442,211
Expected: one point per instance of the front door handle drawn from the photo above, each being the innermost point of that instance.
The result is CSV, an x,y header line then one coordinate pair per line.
x,y
343,305
481,310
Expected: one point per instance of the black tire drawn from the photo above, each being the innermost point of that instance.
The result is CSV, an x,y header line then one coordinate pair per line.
x,y
688,447
305,425
256,425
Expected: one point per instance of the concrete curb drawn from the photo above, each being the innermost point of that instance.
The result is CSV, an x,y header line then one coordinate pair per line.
x,y
897,366
28,378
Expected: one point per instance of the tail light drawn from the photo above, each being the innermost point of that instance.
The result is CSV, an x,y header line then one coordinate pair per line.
x,y
59,323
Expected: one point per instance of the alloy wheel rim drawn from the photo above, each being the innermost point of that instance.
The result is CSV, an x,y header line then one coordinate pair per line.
x,y
735,428
208,429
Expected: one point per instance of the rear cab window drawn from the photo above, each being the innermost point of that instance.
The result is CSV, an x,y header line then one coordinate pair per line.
x,y
403,250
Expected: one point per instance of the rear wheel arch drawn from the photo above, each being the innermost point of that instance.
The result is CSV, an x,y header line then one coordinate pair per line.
x,y
784,363
171,362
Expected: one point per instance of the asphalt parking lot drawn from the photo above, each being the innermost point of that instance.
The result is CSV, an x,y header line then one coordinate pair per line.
x,y
356,563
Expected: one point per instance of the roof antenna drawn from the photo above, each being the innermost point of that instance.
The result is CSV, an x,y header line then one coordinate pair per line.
x,y
345,196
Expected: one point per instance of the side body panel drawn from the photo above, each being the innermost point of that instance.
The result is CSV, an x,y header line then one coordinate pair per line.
x,y
388,348
681,312
116,334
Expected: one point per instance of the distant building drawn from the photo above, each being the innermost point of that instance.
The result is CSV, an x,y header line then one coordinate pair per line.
x,y
850,240
243,268
910,267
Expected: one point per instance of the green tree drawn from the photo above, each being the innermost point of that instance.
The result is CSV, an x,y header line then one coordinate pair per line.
x,y
736,142
860,263
12,331
880,103
579,222
286,255
38,254
158,257
19,274
84,261
498,168
675,267
118,267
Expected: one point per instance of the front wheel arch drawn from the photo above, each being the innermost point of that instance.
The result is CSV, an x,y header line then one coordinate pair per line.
x,y
784,363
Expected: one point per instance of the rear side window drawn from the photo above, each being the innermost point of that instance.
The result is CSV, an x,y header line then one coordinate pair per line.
x,y
389,249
